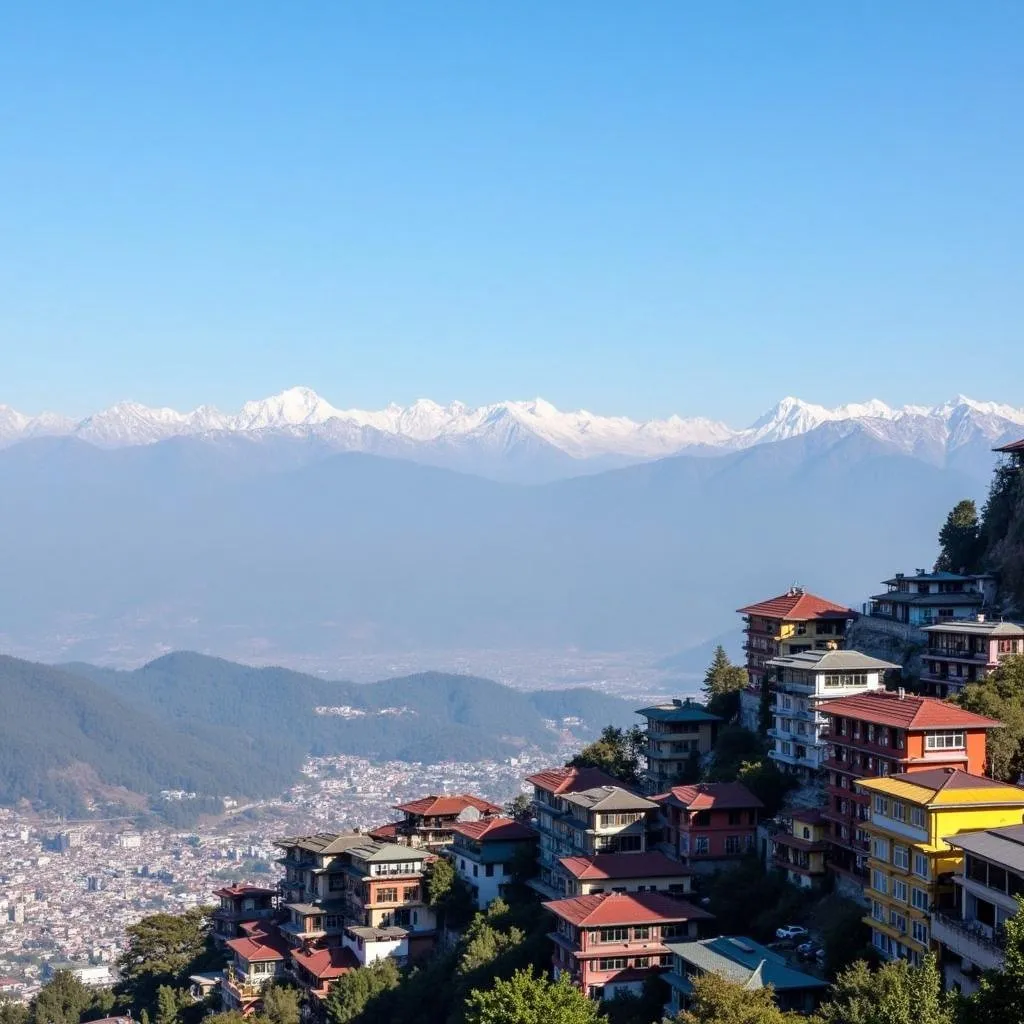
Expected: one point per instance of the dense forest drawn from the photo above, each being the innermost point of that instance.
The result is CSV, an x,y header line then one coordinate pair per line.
x,y
187,721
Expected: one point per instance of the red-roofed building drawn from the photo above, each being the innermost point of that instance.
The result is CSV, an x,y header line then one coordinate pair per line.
x,y
254,962
427,822
315,969
616,872
709,822
240,904
610,943
886,733
484,854
789,624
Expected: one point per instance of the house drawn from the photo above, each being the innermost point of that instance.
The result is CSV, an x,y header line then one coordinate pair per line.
x,y
90,975
969,934
709,823
883,733
485,853
610,943
314,882
800,682
799,850
237,905
676,733
966,651
791,623
927,598
745,962
427,823
255,960
368,945
617,872
315,969
571,824
913,816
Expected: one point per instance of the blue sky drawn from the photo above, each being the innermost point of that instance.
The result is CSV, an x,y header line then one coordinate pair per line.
x,y
635,208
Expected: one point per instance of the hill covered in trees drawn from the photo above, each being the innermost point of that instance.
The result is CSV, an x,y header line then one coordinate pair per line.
x,y
186,721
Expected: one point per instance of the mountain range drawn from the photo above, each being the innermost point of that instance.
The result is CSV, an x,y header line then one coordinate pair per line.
x,y
526,442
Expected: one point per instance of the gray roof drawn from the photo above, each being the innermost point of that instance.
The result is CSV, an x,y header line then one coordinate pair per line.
x,y
377,934
1003,846
679,711
324,907
972,597
325,843
831,661
375,852
744,961
609,798
933,577
978,628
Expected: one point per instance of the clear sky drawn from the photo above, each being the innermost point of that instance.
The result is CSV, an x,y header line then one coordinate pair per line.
x,y
678,205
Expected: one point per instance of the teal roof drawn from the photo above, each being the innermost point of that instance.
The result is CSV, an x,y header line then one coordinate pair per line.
x,y
742,960
679,711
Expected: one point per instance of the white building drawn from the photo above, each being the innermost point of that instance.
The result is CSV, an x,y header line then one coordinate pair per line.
x,y
799,682
372,944
484,854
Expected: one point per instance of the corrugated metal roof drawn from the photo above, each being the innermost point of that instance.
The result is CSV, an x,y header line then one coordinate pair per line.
x,y
744,961
1003,846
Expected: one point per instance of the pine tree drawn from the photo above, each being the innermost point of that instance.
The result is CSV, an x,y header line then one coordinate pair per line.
x,y
168,1005
960,540
722,684
350,994
281,1005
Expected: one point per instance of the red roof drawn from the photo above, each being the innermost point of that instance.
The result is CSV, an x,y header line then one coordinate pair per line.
x,y
388,832
571,780
496,829
621,908
623,865
445,806
908,712
798,606
1015,446
327,963
236,891
707,796
809,816
260,947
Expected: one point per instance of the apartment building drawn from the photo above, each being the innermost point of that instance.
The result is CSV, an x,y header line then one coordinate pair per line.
x,y
616,872
966,651
799,683
927,598
799,849
256,959
485,854
709,823
911,861
427,823
676,733
882,733
239,904
610,943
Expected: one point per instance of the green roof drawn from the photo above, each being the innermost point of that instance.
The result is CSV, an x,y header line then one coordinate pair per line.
x,y
741,960
679,711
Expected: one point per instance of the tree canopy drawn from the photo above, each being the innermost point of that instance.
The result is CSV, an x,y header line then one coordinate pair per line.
x,y
1001,696
722,684
619,752
526,998
716,1000
961,545
1000,995
350,995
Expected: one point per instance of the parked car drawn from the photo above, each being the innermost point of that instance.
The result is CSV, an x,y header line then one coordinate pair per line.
x,y
790,932
807,948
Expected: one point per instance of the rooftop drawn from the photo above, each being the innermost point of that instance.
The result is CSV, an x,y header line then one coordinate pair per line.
x,y
921,576
326,843
387,934
883,707
609,798
231,892
265,947
624,908
745,962
706,796
373,851
607,866
687,710
796,605
570,780
495,830
448,806
1003,846
945,787
832,661
975,628
1013,448
971,597
331,962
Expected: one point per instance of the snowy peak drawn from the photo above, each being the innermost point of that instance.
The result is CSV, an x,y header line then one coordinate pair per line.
x,y
291,408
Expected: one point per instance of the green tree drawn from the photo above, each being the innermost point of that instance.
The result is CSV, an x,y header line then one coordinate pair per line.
x,y
767,782
521,808
960,542
1001,696
1002,528
716,1000
12,1012
734,748
528,999
895,993
1000,995
723,682
62,1000
448,894
619,752
281,1004
168,1005
350,995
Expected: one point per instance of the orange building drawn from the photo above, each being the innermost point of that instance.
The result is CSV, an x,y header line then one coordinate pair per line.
x,y
884,733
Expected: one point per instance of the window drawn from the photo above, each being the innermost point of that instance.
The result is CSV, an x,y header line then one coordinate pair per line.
x,y
877,911
701,845
944,741
642,932
476,870
919,899
387,895
920,932
897,809
901,857
489,871
899,890
733,844
411,894
642,961
921,865
614,934
917,817
700,818
673,931
735,817
612,963
881,805
880,849
335,883
879,881
897,921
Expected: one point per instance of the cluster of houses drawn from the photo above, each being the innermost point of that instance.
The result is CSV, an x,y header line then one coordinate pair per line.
x,y
900,814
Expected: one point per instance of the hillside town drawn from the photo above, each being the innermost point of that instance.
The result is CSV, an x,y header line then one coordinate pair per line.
x,y
890,802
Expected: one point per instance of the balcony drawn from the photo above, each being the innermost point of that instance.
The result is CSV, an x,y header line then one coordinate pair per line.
x,y
969,940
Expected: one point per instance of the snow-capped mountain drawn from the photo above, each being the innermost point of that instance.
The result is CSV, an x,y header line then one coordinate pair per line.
x,y
569,442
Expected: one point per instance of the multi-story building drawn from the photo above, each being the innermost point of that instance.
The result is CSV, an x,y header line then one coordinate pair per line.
x,y
315,969
709,823
911,862
744,961
427,823
799,682
485,854
676,733
966,651
969,935
615,872
609,944
584,811
790,624
883,733
799,850
927,598
240,904
256,959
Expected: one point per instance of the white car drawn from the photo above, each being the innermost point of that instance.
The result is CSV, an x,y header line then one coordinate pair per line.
x,y
790,932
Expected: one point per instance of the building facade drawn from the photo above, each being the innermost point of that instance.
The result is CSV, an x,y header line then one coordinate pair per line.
x,y
238,905
485,855
616,872
799,849
677,733
427,823
966,651
911,861
709,823
928,598
883,733
799,683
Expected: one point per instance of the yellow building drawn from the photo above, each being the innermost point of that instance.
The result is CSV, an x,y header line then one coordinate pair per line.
x,y
910,864
800,850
